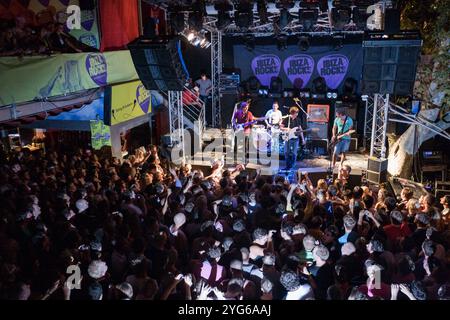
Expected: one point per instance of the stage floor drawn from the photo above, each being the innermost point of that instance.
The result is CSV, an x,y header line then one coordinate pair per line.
x,y
319,164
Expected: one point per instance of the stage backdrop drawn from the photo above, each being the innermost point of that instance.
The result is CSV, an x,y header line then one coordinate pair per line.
x,y
299,68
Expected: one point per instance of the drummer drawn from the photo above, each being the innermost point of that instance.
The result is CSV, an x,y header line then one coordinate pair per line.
x,y
274,116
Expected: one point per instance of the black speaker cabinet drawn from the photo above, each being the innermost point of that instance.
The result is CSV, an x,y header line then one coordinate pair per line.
x,y
391,21
389,66
377,170
158,63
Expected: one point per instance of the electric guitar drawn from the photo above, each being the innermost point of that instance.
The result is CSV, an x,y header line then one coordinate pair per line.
x,y
295,132
241,126
335,141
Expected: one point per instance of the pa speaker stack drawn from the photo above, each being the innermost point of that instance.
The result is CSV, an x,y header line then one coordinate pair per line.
x,y
390,65
377,170
158,63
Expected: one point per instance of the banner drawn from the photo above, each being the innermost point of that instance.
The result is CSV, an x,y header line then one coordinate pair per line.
x,y
299,68
100,135
88,112
39,77
38,12
126,101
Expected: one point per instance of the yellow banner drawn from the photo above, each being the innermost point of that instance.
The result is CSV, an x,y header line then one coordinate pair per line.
x,y
38,78
126,101
100,135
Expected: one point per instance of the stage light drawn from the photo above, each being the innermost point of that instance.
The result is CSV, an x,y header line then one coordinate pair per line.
x,y
308,18
282,42
276,85
332,95
244,14
249,41
303,43
223,14
349,87
340,17
359,17
319,85
191,36
261,7
177,21
284,19
338,41
195,21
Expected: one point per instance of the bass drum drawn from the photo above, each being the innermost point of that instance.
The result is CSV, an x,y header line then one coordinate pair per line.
x,y
261,140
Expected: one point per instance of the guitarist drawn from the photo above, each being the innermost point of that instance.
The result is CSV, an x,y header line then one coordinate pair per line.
x,y
244,116
291,145
341,135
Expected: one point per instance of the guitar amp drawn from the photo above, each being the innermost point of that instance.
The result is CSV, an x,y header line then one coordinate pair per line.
x,y
321,131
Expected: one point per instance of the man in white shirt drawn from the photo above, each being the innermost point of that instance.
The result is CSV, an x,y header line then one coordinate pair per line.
x,y
273,120
274,116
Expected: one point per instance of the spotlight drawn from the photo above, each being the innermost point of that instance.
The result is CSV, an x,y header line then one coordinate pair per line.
x,y
282,42
332,95
261,7
223,20
338,42
303,43
319,85
285,18
244,14
340,17
177,21
359,17
223,15
195,21
191,36
349,87
308,18
249,41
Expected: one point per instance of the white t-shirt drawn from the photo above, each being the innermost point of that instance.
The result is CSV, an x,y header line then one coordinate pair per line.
x,y
303,293
274,117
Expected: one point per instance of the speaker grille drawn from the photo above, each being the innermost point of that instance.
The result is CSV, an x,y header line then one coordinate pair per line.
x,y
390,66
158,64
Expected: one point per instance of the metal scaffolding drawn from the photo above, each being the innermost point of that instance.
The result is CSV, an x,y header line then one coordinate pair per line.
x,y
368,121
379,126
176,120
216,71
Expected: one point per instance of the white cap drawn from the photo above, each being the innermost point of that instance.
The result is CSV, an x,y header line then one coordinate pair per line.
x,y
97,269
179,219
82,205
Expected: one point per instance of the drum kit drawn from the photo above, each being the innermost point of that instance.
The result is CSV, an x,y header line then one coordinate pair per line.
x,y
267,140
271,140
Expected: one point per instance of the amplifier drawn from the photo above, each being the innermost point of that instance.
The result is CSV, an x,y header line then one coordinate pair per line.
x,y
377,170
321,133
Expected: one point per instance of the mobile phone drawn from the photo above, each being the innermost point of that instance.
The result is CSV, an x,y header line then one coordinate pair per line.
x,y
179,277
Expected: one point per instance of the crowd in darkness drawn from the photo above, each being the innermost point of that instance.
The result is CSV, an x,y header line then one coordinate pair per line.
x,y
143,229
19,39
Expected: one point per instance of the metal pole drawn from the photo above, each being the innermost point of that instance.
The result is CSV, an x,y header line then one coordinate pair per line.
x,y
365,124
385,121
374,124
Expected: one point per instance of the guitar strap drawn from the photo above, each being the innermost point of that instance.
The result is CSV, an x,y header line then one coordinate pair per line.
x,y
343,126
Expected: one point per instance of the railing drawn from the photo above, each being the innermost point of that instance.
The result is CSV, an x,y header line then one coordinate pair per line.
x,y
194,113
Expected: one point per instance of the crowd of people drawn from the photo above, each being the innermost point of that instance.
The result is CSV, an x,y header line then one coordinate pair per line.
x,y
19,39
78,227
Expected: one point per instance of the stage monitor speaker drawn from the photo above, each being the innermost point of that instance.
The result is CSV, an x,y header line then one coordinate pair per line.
x,y
158,63
392,21
389,66
377,170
